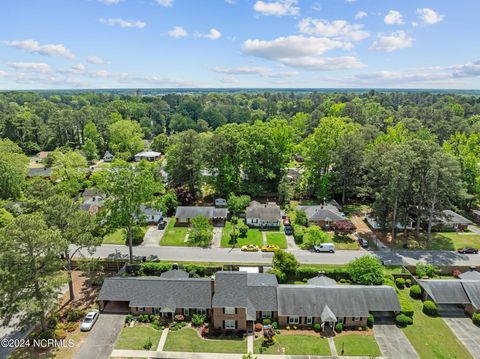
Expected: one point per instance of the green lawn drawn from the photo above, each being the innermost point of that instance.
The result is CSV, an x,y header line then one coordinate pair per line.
x,y
357,345
277,239
254,236
188,340
135,337
444,240
343,242
117,237
174,236
432,338
294,345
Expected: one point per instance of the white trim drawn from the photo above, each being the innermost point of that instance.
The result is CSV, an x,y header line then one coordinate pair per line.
x,y
308,320
140,309
186,312
229,324
201,311
341,320
296,321
229,310
357,319
266,314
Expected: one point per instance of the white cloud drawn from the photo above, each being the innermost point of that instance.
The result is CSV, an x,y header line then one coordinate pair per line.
x,y
429,16
96,60
323,63
35,47
110,2
253,70
360,15
123,23
2,73
228,80
79,67
213,34
391,42
38,67
393,18
177,32
277,8
165,3
335,29
231,2
350,1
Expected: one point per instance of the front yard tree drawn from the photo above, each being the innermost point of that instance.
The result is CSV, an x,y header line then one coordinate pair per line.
x,y
31,270
13,169
76,227
127,189
285,262
125,139
237,204
314,236
366,270
69,170
201,232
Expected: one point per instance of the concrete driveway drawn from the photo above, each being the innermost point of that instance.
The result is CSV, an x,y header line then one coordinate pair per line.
x,y
463,328
100,341
217,237
392,341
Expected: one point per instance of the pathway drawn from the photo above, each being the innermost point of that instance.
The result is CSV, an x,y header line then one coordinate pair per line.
x,y
333,348
291,243
217,237
264,237
163,340
152,237
250,343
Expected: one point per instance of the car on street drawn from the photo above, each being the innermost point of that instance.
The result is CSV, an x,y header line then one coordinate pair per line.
x,y
89,320
270,248
467,250
162,224
324,247
250,248
288,230
362,241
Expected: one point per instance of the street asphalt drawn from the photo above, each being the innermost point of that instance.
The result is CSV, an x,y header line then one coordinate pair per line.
x,y
229,255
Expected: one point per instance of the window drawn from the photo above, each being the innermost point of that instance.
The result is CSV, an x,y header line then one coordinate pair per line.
x,y
293,320
341,320
267,314
229,310
229,324
201,311
186,312
357,319
140,309
309,320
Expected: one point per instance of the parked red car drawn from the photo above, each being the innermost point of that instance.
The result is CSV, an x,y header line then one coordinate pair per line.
x,y
467,250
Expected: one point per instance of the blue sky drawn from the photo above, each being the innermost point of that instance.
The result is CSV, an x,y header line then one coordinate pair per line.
x,y
239,43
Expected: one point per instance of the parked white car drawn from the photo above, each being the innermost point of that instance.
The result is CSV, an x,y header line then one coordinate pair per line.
x,y
325,247
89,320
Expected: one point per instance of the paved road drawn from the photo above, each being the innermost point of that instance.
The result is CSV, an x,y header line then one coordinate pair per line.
x,y
463,328
10,333
392,341
100,341
228,255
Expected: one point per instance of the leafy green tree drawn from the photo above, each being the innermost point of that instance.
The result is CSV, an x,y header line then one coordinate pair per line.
x,y
13,169
125,139
76,227
5,217
126,189
92,134
160,143
201,232
314,236
31,270
301,218
237,204
285,190
285,262
90,149
69,170
366,270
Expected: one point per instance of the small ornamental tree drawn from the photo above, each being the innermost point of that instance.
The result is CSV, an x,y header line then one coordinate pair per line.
x,y
301,218
314,236
343,227
201,233
285,262
366,270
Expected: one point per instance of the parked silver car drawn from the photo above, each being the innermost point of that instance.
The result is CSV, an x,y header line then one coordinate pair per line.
x,y
89,320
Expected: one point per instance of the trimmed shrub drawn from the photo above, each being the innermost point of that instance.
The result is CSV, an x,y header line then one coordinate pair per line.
x,y
360,328
415,291
429,308
339,327
73,315
400,283
402,320
407,306
243,229
370,321
317,327
476,319
274,325
137,235
266,321
148,344
408,283
198,319
128,318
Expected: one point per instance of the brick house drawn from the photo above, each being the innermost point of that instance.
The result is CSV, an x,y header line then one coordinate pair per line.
x,y
185,214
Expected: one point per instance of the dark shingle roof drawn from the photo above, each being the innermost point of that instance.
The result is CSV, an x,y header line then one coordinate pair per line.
x,y
472,288
174,273
265,212
322,213
245,290
158,292
40,172
192,212
344,301
451,217
322,281
470,275
445,291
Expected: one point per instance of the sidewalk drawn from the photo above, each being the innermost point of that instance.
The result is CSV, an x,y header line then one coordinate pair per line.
x,y
182,355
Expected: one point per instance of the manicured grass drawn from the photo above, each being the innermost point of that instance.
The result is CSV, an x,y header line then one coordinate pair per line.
x,y
174,236
254,236
188,340
357,345
135,337
294,345
343,242
432,338
117,237
445,240
277,239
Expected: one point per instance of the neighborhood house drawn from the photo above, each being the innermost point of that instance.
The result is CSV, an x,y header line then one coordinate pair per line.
x,y
236,300
147,155
324,216
263,215
185,214
452,220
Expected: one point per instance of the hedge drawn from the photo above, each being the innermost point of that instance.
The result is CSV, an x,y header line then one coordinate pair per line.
x,y
402,320
370,321
400,282
429,308
407,306
415,291
310,272
339,327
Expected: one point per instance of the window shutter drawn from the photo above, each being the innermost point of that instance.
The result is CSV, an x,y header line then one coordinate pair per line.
x,y
235,310
223,310
235,324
